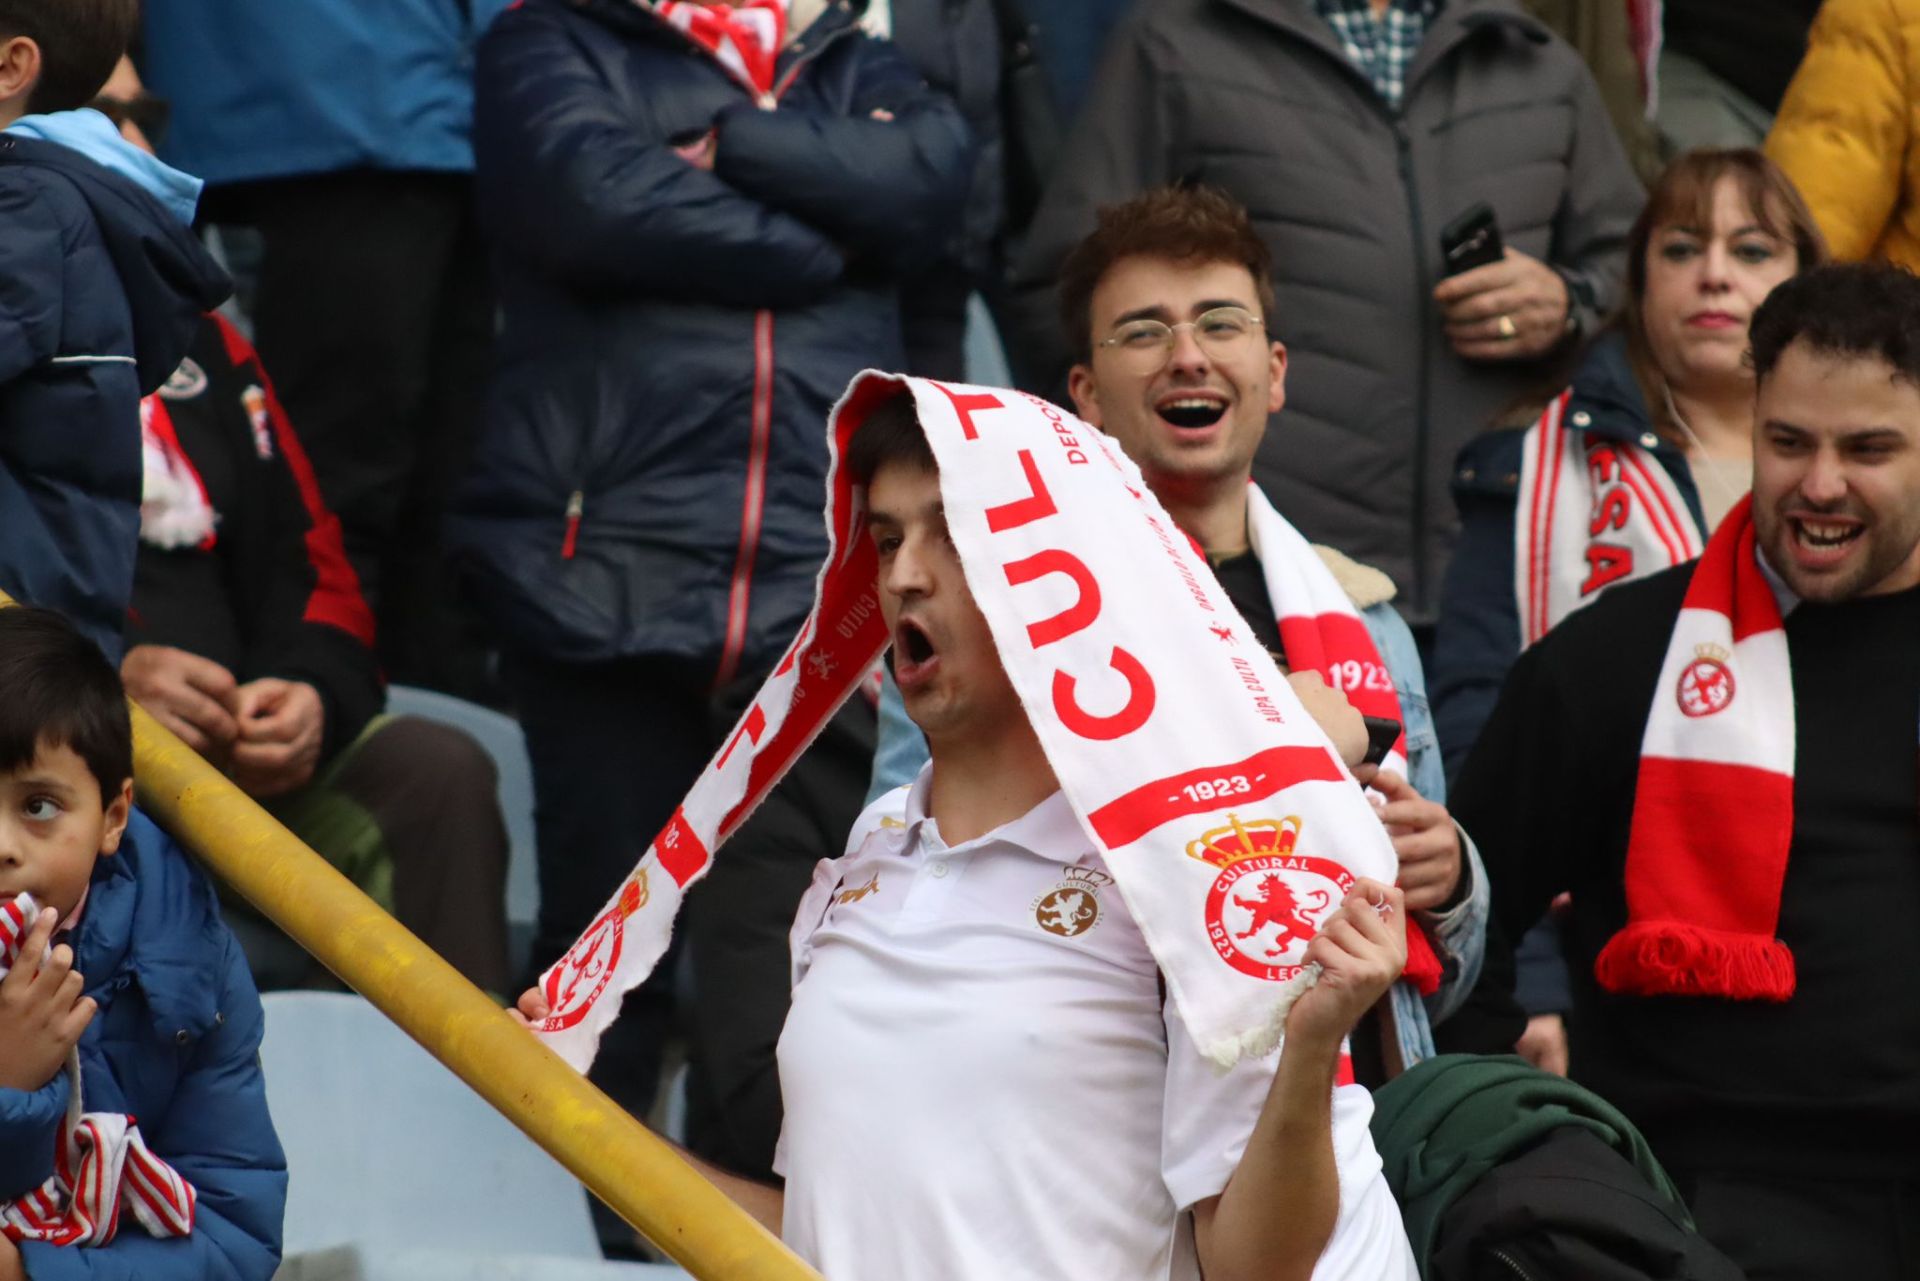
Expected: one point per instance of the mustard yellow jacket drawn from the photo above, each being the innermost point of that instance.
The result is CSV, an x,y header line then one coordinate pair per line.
x,y
1847,128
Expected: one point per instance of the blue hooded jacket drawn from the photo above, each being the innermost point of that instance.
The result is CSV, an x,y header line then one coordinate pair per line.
x,y
102,286
175,1043
649,475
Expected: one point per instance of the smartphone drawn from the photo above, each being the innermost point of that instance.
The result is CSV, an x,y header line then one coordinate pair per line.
x,y
1471,240
1382,733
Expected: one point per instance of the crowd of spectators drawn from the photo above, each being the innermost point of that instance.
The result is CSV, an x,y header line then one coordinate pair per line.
x,y
492,348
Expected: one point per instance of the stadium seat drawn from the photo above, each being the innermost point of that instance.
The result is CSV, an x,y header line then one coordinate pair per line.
x,y
399,1172
500,736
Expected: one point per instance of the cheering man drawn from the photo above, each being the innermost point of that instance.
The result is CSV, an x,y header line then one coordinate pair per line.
x,y
1718,762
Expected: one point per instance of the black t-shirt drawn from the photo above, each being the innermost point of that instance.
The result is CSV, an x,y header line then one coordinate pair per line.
x,y
1246,586
1828,1080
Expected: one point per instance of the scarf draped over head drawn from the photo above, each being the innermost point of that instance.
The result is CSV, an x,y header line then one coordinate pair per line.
x,y
1231,827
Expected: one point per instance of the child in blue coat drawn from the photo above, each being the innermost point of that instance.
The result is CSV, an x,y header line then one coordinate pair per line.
x,y
136,975
102,286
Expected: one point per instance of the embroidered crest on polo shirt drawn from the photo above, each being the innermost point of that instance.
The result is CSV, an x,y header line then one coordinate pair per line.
x,y
855,894
254,400
1706,685
1072,907
1269,899
185,382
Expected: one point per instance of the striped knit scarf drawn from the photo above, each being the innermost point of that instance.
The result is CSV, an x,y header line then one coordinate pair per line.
x,y
1593,512
1322,632
745,39
101,1165
1713,810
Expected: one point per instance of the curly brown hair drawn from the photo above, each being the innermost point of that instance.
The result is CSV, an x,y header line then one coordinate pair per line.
x,y
1196,224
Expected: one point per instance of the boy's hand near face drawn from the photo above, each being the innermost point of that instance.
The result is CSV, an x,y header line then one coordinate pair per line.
x,y
42,1013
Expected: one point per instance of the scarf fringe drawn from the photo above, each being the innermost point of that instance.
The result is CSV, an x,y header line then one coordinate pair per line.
x,y
1265,1039
1673,958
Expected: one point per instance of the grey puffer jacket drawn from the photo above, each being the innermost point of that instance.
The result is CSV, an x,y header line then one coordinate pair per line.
x,y
1257,97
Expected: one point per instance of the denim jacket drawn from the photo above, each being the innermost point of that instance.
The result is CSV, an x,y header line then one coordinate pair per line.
x,y
1459,932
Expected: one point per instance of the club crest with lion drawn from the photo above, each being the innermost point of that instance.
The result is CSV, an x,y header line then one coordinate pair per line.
x,y
1269,899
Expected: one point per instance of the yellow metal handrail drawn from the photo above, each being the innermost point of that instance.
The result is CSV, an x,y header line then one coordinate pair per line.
x,y
645,1181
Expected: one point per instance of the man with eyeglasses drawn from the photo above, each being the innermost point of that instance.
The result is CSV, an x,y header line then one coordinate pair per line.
x,y
1168,303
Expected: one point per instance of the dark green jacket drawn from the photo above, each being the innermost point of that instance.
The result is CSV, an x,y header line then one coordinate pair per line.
x,y
1444,1123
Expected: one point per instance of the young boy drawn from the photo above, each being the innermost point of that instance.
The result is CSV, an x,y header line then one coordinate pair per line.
x,y
101,288
142,980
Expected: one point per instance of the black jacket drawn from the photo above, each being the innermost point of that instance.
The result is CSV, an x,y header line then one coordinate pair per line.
x,y
673,338
1479,633
101,289
1258,98
273,593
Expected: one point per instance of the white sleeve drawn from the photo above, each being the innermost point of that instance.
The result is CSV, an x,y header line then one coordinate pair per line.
x,y
1209,1116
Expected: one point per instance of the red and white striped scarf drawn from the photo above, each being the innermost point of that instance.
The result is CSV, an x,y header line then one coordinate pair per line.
x,y
1713,808
745,38
1593,512
1322,632
101,1165
1184,753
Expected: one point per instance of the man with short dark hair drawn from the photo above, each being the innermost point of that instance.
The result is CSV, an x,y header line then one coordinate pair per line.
x,y
1719,763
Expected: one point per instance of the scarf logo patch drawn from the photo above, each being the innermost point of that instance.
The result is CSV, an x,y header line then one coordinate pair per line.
x,y
1268,901
1706,686
1072,907
572,987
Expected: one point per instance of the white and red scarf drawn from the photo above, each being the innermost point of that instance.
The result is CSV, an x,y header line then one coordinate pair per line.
x,y
174,508
745,39
1229,823
1593,512
101,1166
1713,808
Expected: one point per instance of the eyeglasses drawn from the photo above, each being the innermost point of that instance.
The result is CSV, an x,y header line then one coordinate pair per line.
x,y
1143,346
146,110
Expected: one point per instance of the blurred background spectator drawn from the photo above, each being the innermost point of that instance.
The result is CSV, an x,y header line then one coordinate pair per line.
x,y
700,217
1723,67
337,130
1847,127
1355,132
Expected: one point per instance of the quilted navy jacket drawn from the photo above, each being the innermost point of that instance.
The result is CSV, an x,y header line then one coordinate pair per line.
x,y
101,290
651,467
176,1043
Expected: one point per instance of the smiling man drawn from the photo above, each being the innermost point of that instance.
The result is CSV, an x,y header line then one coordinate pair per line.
x,y
1719,763
1170,304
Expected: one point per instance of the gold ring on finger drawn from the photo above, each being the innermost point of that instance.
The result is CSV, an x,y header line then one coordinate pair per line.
x,y
1506,327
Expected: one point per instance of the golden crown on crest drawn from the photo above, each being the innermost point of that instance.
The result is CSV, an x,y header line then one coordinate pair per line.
x,y
1238,840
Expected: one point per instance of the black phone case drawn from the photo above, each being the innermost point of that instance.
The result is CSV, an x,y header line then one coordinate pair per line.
x,y
1471,240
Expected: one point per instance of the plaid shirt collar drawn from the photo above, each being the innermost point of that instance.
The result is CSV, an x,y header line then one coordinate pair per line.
x,y
1383,47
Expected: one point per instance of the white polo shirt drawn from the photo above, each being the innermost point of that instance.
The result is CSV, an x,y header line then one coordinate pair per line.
x,y
982,1080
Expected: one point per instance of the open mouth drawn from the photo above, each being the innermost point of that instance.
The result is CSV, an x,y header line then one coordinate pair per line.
x,y
1192,413
914,654
1826,536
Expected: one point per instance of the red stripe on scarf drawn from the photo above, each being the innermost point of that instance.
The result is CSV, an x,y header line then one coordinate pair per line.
x,y
1707,849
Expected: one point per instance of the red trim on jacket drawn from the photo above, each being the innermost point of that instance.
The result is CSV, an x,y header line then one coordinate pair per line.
x,y
336,598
